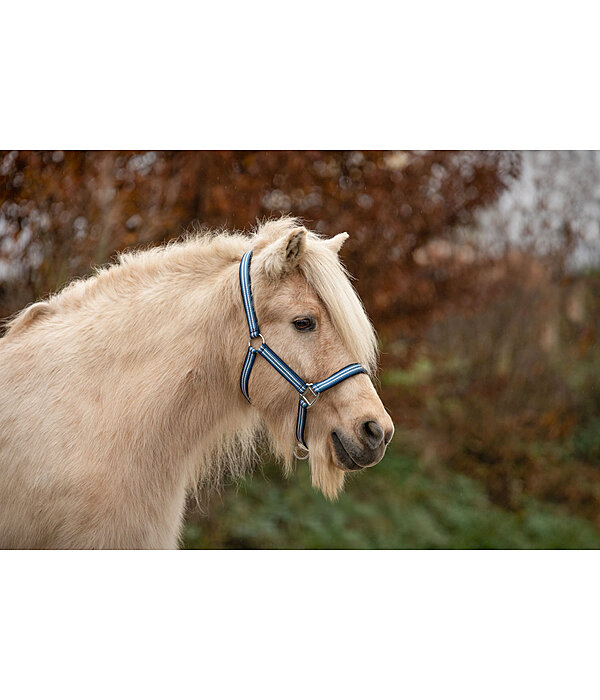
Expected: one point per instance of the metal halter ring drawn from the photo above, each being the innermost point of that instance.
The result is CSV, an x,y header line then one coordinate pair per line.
x,y
300,455
308,403
260,335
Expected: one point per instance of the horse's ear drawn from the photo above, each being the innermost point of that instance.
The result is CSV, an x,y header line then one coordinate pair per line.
x,y
337,242
284,254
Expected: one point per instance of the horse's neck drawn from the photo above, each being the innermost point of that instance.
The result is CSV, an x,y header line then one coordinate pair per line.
x,y
175,355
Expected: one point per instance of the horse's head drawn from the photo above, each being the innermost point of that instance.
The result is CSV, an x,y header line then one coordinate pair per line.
x,y
312,318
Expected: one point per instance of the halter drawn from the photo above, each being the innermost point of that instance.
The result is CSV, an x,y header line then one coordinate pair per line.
x,y
309,392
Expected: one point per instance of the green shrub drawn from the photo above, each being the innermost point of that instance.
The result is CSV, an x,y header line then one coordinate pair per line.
x,y
399,504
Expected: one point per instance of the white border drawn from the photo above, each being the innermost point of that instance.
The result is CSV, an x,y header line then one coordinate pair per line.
x,y
310,75
300,624
262,75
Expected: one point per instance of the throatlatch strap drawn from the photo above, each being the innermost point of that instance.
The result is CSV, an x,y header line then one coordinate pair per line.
x,y
301,423
246,369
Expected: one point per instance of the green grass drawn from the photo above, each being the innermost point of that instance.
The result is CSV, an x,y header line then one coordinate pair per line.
x,y
398,504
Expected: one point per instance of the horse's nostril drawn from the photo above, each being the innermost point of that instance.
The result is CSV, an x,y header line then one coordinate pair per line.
x,y
388,436
372,433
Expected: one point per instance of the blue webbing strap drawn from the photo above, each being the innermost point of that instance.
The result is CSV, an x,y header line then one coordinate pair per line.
x,y
300,423
275,361
247,294
283,369
246,369
337,377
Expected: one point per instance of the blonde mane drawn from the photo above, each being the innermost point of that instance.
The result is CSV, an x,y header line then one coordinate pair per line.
x,y
203,253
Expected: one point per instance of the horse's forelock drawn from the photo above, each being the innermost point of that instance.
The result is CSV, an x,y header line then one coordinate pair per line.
x,y
328,277
326,274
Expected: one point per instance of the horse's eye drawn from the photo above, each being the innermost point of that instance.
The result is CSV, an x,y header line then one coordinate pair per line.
x,y
306,323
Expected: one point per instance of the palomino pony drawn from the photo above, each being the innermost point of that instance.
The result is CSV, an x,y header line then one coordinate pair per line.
x,y
121,393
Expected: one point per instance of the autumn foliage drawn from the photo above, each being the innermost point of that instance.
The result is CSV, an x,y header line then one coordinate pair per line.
x,y
62,212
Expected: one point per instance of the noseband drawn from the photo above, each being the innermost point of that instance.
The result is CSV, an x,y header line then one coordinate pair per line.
x,y
309,393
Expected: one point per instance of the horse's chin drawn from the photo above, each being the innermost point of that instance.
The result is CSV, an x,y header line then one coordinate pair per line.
x,y
326,475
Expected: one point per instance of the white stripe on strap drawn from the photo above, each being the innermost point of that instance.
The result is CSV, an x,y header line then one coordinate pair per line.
x,y
246,369
282,368
338,377
300,423
247,294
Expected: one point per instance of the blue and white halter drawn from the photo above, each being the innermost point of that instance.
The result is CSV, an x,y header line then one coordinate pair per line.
x,y
309,393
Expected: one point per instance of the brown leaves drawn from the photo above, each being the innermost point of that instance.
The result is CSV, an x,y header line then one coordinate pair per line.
x,y
74,209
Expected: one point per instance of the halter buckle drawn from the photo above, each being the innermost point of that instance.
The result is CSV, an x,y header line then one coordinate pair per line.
x,y
308,403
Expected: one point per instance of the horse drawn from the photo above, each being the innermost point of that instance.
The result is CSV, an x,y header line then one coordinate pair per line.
x,y
120,394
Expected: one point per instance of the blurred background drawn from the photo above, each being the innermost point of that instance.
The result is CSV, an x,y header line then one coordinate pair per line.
x,y
481,273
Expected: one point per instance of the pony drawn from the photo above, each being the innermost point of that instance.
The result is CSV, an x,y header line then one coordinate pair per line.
x,y
120,394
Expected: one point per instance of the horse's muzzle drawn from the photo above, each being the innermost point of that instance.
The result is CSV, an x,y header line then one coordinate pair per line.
x,y
351,455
